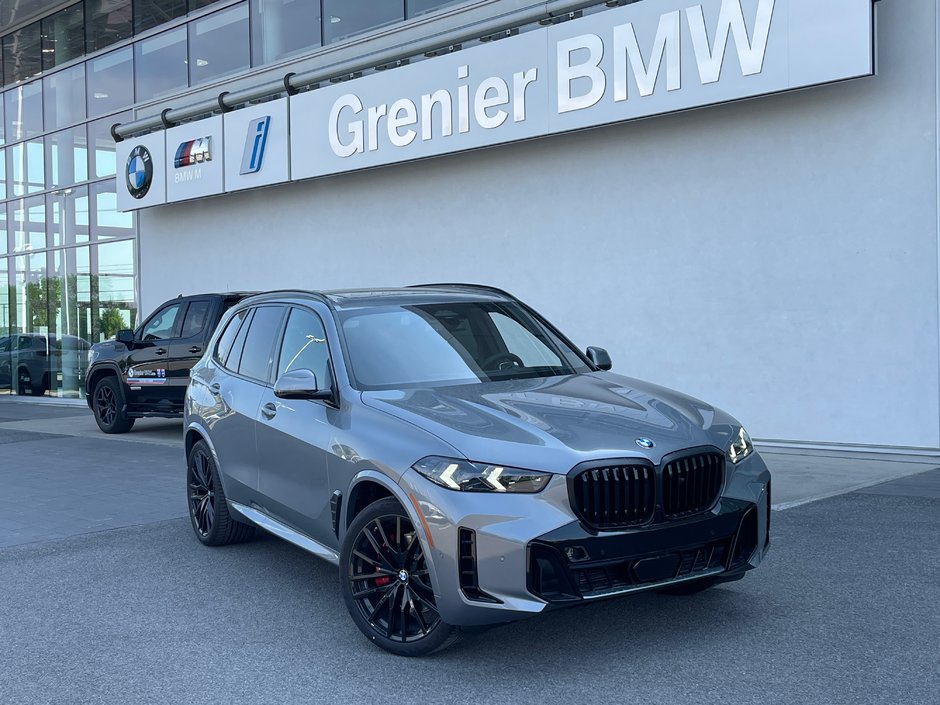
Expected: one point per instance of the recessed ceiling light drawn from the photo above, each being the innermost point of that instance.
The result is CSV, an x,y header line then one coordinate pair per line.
x,y
101,95
335,20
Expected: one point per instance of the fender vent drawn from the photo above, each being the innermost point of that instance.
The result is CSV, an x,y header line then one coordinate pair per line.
x,y
467,567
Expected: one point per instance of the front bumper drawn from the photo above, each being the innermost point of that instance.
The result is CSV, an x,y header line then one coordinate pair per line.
x,y
500,557
571,564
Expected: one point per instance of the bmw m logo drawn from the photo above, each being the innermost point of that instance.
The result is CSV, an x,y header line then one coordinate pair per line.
x,y
645,443
139,172
193,152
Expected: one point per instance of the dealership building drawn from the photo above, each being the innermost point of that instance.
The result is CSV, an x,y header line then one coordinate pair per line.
x,y
737,198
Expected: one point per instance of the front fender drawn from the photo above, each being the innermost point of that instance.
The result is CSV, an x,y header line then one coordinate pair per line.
x,y
407,501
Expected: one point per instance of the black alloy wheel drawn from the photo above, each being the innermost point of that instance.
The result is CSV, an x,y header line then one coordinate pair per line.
x,y
201,495
387,584
106,404
109,408
208,509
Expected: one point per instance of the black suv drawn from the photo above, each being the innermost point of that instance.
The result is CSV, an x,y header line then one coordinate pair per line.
x,y
145,372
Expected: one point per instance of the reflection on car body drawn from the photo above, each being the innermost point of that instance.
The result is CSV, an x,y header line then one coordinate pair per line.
x,y
32,364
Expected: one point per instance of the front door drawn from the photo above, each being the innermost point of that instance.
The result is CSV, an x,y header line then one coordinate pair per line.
x,y
295,436
147,363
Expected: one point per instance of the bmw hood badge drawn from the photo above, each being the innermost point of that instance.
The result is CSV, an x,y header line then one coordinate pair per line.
x,y
645,443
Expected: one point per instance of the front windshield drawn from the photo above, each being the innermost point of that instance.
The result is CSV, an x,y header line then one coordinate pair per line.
x,y
394,347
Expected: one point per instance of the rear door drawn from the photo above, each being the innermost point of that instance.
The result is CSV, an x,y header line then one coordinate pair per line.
x,y
186,350
238,390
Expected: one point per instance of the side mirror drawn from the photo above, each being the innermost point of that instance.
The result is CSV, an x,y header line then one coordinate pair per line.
x,y
600,358
125,336
300,384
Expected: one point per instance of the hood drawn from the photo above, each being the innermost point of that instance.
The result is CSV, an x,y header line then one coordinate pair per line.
x,y
557,422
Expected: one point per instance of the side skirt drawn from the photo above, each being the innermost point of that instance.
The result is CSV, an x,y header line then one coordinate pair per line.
x,y
285,532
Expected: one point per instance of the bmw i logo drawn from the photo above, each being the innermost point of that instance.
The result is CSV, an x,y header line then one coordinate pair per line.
x,y
645,443
139,172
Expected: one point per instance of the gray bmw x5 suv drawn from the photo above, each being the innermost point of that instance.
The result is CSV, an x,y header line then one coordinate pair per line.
x,y
460,460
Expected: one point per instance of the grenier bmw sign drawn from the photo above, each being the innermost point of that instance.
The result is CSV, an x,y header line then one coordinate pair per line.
x,y
644,59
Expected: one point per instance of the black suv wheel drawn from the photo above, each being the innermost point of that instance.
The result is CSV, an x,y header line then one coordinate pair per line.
x,y
25,385
387,586
208,510
109,408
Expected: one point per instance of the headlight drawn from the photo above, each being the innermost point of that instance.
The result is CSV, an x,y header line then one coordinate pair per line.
x,y
741,447
92,355
477,477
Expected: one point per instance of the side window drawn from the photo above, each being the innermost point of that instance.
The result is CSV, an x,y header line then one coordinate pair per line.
x,y
29,342
196,316
519,341
257,357
227,339
304,346
161,326
235,356
5,345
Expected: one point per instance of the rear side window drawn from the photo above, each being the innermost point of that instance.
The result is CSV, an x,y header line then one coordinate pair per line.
x,y
227,339
195,321
258,355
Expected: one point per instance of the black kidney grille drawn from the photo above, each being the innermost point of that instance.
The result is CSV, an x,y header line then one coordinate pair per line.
x,y
692,484
615,497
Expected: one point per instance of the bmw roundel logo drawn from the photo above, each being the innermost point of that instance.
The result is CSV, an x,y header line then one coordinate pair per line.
x,y
139,172
645,443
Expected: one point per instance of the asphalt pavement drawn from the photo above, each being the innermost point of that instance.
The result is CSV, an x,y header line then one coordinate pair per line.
x,y
118,603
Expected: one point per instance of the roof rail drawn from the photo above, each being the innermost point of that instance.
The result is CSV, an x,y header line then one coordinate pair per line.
x,y
319,295
457,285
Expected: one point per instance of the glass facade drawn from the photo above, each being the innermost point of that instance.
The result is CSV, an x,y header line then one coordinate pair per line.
x,y
63,36
218,44
68,257
345,18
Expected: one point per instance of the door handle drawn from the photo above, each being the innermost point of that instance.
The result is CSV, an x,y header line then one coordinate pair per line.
x,y
160,351
215,387
269,410
195,349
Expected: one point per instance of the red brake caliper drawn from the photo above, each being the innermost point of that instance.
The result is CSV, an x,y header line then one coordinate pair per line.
x,y
383,580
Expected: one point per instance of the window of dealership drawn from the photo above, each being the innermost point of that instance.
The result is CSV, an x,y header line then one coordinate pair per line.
x,y
68,261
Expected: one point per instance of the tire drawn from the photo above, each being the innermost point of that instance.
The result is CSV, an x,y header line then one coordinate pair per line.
x,y
25,385
386,585
109,408
208,508
691,587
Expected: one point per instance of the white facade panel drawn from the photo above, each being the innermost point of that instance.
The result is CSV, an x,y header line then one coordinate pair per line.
x,y
257,140
776,257
141,167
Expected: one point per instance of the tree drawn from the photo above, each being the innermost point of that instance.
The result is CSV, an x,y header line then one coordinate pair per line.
x,y
111,322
